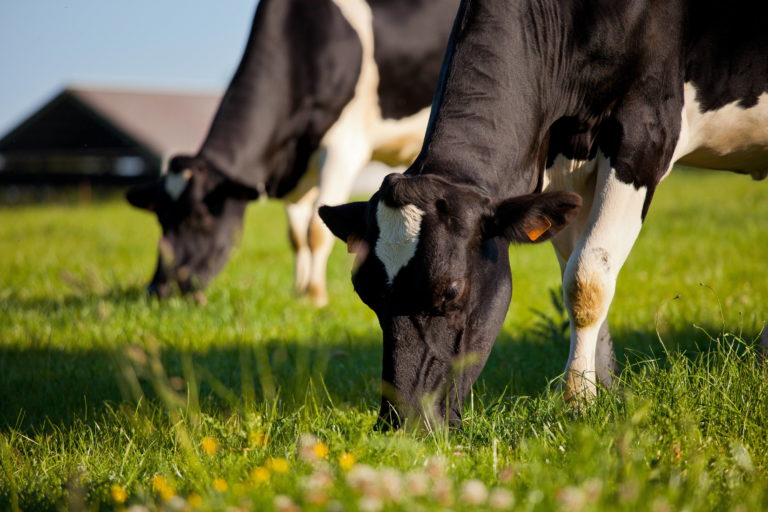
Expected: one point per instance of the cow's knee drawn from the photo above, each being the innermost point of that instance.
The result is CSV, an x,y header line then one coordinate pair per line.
x,y
588,292
298,221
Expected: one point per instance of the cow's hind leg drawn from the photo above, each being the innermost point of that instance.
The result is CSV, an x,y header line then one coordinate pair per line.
x,y
341,165
299,209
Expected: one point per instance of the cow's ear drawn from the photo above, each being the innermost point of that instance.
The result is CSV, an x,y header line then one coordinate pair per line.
x,y
347,221
143,196
534,217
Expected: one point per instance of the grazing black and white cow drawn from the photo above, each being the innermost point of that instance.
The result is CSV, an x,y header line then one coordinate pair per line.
x,y
553,120
324,86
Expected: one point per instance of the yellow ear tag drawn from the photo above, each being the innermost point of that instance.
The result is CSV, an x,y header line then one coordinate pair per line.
x,y
535,233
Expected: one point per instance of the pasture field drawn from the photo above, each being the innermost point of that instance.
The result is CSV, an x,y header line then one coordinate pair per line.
x,y
257,401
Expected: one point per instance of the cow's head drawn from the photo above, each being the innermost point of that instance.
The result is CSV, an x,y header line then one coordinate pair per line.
x,y
432,263
200,212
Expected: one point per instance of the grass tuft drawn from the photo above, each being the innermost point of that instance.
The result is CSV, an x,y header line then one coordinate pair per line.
x,y
257,401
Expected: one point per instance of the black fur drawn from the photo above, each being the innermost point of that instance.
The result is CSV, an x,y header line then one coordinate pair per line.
x,y
522,82
409,39
441,314
299,70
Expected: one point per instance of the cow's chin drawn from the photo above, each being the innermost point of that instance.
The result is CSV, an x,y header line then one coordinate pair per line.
x,y
425,379
425,413
187,280
430,361
184,282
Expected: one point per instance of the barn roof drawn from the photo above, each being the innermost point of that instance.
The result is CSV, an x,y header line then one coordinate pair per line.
x,y
160,123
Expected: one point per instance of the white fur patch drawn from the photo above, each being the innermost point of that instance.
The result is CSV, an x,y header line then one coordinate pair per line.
x,y
398,236
732,137
175,183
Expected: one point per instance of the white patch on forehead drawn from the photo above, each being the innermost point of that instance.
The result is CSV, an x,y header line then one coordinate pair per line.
x,y
175,183
398,236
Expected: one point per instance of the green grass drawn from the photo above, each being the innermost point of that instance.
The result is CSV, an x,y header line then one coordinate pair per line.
x,y
102,387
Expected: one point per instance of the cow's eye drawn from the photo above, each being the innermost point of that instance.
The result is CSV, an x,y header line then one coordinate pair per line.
x,y
454,290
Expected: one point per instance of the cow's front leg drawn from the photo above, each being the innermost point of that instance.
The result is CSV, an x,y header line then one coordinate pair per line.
x,y
589,279
565,243
341,164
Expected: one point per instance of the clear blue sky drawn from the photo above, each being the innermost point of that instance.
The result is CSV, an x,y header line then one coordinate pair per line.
x,y
47,44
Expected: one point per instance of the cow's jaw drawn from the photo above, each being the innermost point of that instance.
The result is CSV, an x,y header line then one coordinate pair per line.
x,y
430,361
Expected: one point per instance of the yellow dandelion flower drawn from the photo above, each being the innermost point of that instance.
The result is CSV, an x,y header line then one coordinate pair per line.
x,y
278,465
320,450
346,461
163,488
260,475
220,484
119,494
158,482
209,445
194,500
258,439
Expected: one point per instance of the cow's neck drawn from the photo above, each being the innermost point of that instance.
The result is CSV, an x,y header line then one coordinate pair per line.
x,y
276,108
489,119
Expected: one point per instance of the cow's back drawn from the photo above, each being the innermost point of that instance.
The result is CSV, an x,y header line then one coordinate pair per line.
x,y
725,122
410,37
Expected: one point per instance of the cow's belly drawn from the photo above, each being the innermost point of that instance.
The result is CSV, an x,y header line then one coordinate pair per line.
x,y
731,138
398,141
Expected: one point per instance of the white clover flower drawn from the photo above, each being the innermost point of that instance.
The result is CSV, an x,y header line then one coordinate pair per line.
x,y
572,499
473,492
308,448
364,479
501,499
417,484
370,504
391,483
283,503
442,491
176,504
321,478
436,466
593,488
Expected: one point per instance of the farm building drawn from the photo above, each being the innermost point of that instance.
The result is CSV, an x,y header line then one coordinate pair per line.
x,y
104,136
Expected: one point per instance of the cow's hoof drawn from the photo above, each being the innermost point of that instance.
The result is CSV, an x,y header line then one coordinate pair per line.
x,y
578,390
200,298
318,295
300,288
